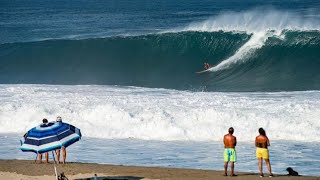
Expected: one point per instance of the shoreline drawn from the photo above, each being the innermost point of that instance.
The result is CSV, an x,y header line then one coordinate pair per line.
x,y
28,169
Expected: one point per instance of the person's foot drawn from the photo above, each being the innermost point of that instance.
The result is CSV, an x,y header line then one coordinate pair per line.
x,y
225,174
271,175
261,175
233,175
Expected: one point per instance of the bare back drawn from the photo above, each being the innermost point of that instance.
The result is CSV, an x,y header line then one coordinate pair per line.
x,y
262,141
229,141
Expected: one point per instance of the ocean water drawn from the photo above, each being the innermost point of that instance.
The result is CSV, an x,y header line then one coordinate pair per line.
x,y
255,46
177,154
123,71
170,128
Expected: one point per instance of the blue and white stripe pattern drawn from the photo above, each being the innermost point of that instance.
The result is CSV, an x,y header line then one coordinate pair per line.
x,y
49,136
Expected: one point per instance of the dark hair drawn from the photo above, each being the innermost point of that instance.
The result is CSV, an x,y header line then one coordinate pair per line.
x,y
45,120
231,130
262,132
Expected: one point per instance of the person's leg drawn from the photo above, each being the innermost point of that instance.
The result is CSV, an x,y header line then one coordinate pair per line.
x,y
58,155
226,160
232,168
40,158
64,153
233,159
47,157
260,166
269,166
225,168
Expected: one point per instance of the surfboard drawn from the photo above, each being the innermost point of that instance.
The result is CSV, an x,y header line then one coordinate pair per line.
x,y
206,70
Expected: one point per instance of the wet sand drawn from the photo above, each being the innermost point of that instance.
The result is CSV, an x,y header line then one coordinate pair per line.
x,y
26,169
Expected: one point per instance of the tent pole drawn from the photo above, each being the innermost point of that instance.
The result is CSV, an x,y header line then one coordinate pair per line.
x,y
55,168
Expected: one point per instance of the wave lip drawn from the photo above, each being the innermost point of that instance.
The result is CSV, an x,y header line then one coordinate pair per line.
x,y
256,41
256,20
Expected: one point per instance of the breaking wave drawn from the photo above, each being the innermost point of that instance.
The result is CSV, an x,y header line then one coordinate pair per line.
x,y
158,114
251,51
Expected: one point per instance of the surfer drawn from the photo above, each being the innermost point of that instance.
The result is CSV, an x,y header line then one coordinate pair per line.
x,y
230,155
206,65
262,152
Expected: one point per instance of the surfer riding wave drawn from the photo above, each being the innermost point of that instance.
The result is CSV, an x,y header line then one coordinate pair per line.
x,y
206,66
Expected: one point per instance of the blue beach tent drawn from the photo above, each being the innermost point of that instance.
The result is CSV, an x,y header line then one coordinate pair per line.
x,y
49,137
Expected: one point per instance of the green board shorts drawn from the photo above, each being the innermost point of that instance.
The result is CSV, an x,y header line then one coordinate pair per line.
x,y
230,155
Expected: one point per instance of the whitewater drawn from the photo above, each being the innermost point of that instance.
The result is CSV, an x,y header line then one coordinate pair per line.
x,y
119,112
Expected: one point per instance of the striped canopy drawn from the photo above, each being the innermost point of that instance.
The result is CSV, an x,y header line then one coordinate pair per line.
x,y
49,136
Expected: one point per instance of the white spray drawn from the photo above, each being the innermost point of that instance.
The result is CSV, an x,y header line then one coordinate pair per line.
x,y
160,114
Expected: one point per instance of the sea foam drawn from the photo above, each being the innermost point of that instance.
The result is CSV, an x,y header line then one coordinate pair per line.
x,y
161,114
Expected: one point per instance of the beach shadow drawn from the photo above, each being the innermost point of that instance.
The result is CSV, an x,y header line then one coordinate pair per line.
x,y
266,175
287,175
113,178
248,174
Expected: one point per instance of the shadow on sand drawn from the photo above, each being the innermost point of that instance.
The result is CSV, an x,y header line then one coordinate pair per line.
x,y
113,178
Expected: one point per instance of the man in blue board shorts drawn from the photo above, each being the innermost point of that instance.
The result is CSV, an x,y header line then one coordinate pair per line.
x,y
230,154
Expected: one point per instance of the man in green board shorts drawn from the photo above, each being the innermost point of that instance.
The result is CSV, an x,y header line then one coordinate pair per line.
x,y
230,154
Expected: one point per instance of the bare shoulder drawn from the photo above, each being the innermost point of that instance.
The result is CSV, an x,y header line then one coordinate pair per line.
x,y
234,138
267,138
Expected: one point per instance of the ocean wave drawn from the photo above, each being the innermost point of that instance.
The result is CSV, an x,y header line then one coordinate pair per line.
x,y
243,61
158,114
261,22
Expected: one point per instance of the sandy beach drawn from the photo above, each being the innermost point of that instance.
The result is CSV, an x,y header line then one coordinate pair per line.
x,y
26,169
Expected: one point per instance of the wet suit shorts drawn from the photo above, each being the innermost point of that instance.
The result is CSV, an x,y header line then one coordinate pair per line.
x,y
230,155
262,153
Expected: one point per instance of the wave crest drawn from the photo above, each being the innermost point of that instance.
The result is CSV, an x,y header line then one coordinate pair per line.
x,y
256,20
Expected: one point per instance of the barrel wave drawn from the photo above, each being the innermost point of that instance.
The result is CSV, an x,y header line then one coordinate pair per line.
x,y
285,61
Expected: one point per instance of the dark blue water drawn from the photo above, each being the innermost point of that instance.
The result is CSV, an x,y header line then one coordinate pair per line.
x,y
162,43
32,20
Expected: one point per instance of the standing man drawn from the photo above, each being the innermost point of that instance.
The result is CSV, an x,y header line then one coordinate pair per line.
x,y
63,149
262,152
230,154
44,124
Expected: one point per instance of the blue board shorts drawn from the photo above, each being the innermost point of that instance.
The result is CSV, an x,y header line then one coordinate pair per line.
x,y
230,155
